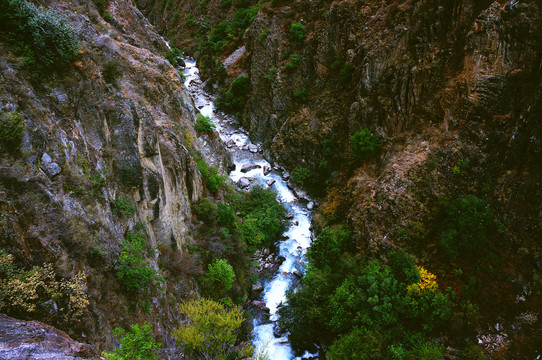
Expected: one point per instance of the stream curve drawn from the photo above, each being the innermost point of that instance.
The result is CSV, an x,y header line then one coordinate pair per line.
x,y
297,236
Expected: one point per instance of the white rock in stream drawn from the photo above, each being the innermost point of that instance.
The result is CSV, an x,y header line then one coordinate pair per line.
x,y
253,148
243,182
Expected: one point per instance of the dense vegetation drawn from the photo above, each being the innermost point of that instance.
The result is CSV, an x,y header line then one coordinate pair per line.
x,y
213,331
46,39
136,344
386,308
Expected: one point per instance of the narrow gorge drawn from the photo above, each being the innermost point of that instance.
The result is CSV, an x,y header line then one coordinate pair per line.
x,y
242,179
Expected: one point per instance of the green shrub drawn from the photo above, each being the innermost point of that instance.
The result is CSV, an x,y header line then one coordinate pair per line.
x,y
293,63
213,331
325,250
263,35
346,73
204,123
297,32
207,211
22,292
428,351
234,99
302,175
358,344
242,19
363,143
225,4
203,5
11,132
134,271
169,4
101,5
176,16
211,176
219,279
221,33
108,18
138,344
262,205
111,71
465,225
97,181
190,21
240,86
251,233
271,74
226,216
47,39
301,95
123,206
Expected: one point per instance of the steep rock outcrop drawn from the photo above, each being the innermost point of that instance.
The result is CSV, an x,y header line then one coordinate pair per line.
x,y
104,134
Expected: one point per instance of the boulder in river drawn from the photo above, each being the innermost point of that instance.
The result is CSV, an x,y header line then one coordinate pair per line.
x,y
248,167
266,170
253,148
257,288
259,304
297,274
310,205
289,216
276,331
243,182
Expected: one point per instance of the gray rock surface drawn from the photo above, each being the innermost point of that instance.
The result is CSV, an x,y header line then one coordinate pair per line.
x,y
22,340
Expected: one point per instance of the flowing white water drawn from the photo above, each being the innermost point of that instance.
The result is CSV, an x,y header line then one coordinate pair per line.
x,y
298,235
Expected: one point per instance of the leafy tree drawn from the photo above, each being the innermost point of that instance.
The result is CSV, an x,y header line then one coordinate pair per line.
x,y
363,143
234,99
219,278
293,62
251,232
242,19
212,331
465,225
262,205
207,211
404,268
138,344
370,300
325,251
297,32
204,123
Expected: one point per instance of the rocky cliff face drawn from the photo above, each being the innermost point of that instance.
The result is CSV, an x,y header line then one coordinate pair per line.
x,y
111,130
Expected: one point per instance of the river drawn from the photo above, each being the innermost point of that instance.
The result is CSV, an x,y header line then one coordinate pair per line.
x,y
297,236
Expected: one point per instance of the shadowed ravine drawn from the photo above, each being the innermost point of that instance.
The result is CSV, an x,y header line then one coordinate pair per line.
x,y
297,236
